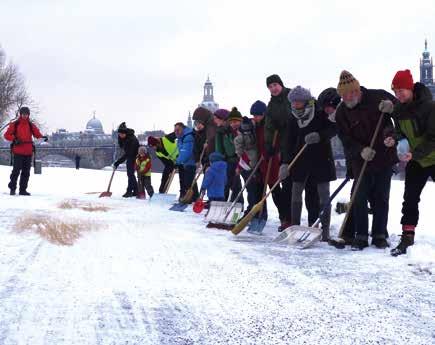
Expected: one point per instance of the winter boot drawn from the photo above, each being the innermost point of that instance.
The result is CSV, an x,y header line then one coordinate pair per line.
x,y
325,219
284,225
24,192
12,192
128,194
358,245
406,241
380,243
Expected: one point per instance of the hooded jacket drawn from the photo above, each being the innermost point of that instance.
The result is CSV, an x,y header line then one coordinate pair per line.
x,y
22,130
185,148
215,178
416,121
129,145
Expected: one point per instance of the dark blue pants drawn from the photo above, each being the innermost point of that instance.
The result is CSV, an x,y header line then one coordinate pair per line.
x,y
132,182
233,183
375,186
254,190
189,172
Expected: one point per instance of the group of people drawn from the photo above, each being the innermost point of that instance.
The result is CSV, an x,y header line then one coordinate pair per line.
x,y
287,143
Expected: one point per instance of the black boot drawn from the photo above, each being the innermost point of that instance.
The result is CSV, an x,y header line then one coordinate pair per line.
x,y
380,243
128,195
406,241
24,192
325,219
358,244
12,192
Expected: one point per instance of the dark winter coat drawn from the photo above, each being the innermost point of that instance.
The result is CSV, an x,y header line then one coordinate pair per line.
x,y
224,143
22,130
200,140
357,126
278,113
215,180
274,169
129,145
206,117
317,161
185,148
416,122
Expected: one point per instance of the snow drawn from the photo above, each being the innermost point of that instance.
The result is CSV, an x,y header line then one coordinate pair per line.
x,y
141,274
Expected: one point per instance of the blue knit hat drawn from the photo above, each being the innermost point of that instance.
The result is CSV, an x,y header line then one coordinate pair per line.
x,y
221,114
258,108
299,94
216,157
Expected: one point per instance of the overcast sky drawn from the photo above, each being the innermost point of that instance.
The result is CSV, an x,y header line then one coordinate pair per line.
x,y
145,62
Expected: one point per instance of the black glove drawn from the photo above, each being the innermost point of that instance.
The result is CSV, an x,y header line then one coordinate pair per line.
x,y
45,138
349,173
16,142
116,164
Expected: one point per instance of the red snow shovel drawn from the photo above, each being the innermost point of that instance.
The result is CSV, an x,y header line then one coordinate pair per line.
x,y
108,193
199,204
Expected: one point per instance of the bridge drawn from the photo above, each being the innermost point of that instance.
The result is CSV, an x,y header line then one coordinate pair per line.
x,y
91,157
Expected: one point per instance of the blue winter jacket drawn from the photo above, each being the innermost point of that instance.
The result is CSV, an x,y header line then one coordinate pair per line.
x,y
215,179
185,148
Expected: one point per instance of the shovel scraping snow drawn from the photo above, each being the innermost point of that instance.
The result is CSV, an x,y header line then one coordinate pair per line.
x,y
108,193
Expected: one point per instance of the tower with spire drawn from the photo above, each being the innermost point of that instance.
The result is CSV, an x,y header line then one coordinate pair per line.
x,y
189,121
426,70
208,98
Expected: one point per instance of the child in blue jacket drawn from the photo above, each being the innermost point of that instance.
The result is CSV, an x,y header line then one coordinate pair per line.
x,y
215,178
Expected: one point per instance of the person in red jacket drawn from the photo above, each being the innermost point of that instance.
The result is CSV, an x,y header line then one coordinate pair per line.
x,y
20,133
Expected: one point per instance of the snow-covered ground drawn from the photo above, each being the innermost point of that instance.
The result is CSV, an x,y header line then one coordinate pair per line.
x,y
141,274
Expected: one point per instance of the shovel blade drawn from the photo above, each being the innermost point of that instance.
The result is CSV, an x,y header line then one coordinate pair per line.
x,y
179,207
303,236
106,194
160,198
256,226
218,211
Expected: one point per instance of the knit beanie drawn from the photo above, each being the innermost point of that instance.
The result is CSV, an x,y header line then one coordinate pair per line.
x,y
274,78
234,115
347,83
215,157
329,97
152,141
246,126
122,128
201,113
258,108
299,94
142,149
221,114
403,80
24,111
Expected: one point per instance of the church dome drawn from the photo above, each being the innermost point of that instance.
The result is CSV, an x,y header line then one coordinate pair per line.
x,y
94,125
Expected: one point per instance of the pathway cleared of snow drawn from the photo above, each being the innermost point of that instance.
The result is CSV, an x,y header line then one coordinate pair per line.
x,y
152,276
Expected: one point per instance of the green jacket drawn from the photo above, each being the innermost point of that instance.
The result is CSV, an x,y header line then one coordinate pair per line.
x,y
278,114
416,122
224,144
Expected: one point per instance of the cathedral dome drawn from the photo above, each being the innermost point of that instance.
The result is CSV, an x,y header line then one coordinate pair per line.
x,y
94,125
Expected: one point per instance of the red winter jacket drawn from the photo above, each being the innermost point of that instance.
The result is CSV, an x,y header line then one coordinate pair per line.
x,y
274,169
22,130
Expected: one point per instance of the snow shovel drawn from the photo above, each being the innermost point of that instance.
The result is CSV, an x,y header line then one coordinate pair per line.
x,y
108,193
305,236
224,214
258,206
339,242
169,181
185,201
140,195
199,204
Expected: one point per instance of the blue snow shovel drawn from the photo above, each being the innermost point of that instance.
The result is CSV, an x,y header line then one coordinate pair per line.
x,y
305,236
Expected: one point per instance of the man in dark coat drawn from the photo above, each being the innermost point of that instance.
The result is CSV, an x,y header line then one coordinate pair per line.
x,y
309,126
357,117
278,115
21,133
204,118
77,159
128,142
414,116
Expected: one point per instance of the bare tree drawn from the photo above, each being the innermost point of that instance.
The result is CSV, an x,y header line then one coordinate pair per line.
x,y
13,92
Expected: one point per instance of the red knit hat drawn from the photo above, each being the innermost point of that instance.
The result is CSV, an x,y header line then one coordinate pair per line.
x,y
403,80
152,141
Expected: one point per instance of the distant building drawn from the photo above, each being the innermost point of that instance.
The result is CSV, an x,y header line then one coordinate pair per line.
x,y
208,98
426,70
189,121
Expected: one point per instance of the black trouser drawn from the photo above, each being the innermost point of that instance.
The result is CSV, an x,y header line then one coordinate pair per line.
x,y
20,164
312,202
189,172
377,185
415,180
132,182
145,184
254,189
167,170
233,182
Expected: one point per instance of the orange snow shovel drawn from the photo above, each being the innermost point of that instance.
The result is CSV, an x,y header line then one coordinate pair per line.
x,y
108,193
